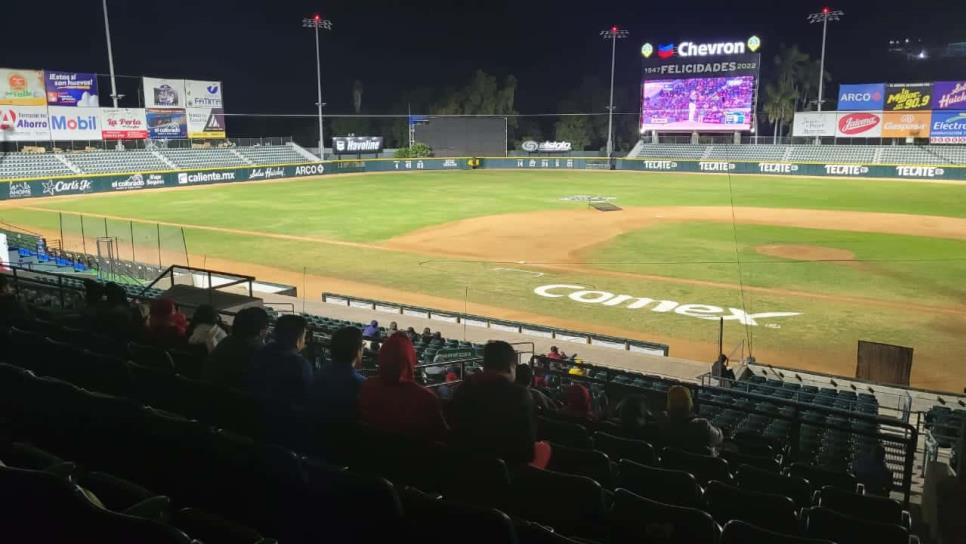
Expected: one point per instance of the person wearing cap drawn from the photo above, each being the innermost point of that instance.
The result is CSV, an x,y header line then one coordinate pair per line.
x,y
392,401
681,429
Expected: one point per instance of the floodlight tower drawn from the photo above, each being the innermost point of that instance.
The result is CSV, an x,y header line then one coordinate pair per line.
x,y
316,22
827,14
613,34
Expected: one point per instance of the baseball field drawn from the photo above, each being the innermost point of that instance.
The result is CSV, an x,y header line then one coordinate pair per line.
x,y
799,268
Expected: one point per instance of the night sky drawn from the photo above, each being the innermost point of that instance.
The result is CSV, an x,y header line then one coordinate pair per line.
x,y
266,60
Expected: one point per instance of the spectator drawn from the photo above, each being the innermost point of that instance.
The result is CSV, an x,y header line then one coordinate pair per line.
x,y
392,401
871,470
720,370
205,329
524,377
230,362
438,337
493,415
116,316
371,330
578,403
278,369
11,308
427,334
334,396
681,429
636,419
93,297
393,328
555,354
166,325
411,333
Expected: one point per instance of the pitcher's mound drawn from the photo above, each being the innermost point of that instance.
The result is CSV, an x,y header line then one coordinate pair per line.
x,y
805,253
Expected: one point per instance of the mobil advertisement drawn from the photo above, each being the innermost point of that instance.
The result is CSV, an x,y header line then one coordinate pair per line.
x,y
203,94
948,127
163,93
167,124
71,123
71,89
912,124
206,123
123,124
24,124
949,95
863,97
908,97
22,87
859,124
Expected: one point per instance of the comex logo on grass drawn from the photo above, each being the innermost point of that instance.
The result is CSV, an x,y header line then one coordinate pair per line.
x,y
579,293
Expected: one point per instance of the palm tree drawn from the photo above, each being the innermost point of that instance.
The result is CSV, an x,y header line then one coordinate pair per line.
x,y
779,105
809,82
792,65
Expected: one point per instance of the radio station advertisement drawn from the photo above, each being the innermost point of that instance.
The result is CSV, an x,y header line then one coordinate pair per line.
x,y
206,123
862,97
949,95
948,127
22,87
163,93
71,89
24,124
203,94
814,123
166,124
74,124
908,97
906,124
123,124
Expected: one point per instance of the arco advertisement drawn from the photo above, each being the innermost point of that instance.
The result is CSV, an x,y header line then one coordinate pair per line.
x,y
206,123
861,97
71,123
123,124
22,87
24,124
167,124
859,124
71,89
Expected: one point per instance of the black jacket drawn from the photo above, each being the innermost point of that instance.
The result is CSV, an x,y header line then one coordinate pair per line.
x,y
494,416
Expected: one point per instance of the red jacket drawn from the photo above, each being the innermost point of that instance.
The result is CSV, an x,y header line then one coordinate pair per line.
x,y
392,401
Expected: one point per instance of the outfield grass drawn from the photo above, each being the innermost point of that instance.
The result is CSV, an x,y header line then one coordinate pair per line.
x,y
371,208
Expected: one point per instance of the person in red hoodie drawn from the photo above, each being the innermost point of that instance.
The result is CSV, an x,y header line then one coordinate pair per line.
x,y
392,401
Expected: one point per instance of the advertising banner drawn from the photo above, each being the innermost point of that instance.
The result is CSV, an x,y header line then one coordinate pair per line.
x,y
203,94
71,89
814,123
22,87
206,123
906,124
696,67
123,124
163,93
356,144
864,97
71,123
948,127
533,146
949,95
24,124
908,96
859,124
166,124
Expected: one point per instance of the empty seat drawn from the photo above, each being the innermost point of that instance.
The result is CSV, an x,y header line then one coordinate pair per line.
x,y
767,510
764,462
564,433
740,532
675,487
572,505
590,463
432,519
824,523
867,507
636,519
755,479
820,478
618,448
704,467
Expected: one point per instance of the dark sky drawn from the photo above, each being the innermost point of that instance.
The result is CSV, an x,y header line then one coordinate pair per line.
x,y
266,59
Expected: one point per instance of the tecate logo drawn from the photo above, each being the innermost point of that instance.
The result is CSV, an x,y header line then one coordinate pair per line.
x,y
857,123
660,165
716,166
583,295
919,171
777,167
846,169
54,188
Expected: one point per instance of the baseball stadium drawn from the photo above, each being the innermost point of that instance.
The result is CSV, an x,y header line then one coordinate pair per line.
x,y
804,292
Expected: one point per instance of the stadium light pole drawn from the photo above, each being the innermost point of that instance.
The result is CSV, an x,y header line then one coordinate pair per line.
x,y
827,14
613,34
110,54
315,23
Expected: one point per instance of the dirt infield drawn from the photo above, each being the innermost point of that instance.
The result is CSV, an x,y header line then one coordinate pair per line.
x,y
805,253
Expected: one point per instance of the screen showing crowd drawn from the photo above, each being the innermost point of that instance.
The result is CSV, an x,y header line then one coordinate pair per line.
x,y
702,104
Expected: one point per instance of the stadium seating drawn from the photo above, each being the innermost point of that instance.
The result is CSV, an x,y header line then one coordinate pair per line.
x,y
104,162
761,152
204,158
271,154
672,151
25,165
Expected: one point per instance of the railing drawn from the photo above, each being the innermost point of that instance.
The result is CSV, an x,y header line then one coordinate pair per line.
x,y
173,270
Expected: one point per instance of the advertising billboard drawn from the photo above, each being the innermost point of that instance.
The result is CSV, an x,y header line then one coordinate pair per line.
x,y
908,96
123,124
863,97
203,94
356,144
949,95
71,89
166,124
948,127
859,124
24,124
897,124
22,87
814,123
163,93
702,104
71,123
206,123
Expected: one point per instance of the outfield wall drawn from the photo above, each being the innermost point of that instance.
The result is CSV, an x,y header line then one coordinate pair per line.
x,y
98,183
